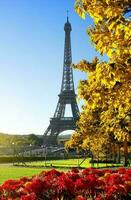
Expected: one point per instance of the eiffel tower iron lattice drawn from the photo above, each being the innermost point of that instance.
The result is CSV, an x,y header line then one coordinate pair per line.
x,y
67,95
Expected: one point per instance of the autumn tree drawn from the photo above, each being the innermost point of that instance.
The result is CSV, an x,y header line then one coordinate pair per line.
x,y
107,91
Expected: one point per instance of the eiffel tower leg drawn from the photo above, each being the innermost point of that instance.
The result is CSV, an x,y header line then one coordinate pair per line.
x,y
75,109
50,137
46,136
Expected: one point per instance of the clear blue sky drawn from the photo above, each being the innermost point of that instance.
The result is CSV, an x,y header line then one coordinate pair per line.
x,y
31,60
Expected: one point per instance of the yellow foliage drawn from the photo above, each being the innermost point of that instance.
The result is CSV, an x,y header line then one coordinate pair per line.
x,y
107,92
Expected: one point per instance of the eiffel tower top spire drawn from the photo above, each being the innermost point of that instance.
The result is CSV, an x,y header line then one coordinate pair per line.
x,y
67,24
67,16
67,80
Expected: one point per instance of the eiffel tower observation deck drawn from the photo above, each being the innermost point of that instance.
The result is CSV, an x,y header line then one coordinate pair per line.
x,y
67,96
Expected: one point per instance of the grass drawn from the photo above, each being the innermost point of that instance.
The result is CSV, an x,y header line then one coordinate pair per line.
x,y
68,163
62,163
8,171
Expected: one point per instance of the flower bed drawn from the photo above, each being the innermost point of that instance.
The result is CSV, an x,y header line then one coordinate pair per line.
x,y
73,185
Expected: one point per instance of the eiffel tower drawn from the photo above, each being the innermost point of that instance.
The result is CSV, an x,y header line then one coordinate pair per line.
x,y
67,95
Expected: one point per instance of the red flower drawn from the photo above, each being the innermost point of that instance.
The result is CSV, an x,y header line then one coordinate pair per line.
x,y
127,175
25,179
121,170
128,186
36,185
73,176
80,198
114,179
116,190
99,197
101,183
91,180
52,172
80,184
64,183
12,184
31,196
87,171
75,170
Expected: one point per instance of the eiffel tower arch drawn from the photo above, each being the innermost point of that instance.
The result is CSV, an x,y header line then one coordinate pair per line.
x,y
60,123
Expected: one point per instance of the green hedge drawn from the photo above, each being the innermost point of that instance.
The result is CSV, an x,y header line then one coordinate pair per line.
x,y
102,161
15,159
25,159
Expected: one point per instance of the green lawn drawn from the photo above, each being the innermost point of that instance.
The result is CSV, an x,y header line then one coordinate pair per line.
x,y
68,163
8,171
62,163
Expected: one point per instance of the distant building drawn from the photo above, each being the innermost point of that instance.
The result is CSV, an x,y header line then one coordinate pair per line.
x,y
63,138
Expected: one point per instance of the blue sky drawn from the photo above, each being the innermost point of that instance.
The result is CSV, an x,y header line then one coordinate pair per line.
x,y
31,60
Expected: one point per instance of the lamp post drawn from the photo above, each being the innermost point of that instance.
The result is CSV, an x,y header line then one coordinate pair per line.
x,y
13,144
45,156
78,157
30,150
42,150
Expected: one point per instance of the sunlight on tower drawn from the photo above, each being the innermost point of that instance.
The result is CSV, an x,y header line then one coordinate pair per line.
x,y
68,111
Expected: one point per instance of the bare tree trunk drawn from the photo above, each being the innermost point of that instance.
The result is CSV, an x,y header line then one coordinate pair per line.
x,y
125,152
118,153
114,153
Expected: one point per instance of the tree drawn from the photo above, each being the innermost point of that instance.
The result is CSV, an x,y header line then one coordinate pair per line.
x,y
107,92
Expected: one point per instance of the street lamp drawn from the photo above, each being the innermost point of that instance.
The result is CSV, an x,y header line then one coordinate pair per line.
x,y
45,156
13,151
42,150
30,150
